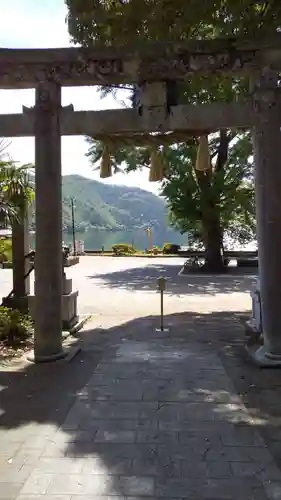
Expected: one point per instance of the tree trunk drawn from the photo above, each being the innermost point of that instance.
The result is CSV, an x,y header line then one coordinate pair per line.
x,y
211,225
214,261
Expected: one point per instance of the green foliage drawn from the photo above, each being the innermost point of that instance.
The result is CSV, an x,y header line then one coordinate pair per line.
x,y
230,190
156,250
170,248
15,327
16,192
116,23
5,250
123,249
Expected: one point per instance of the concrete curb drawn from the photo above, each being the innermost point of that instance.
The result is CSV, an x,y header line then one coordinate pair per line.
x,y
214,276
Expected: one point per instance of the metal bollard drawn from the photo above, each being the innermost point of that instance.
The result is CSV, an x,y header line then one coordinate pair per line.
x,y
161,288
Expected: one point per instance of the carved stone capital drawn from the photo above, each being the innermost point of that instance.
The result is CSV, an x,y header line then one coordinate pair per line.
x,y
48,96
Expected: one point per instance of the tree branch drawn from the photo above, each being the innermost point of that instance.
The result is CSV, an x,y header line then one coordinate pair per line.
x,y
222,152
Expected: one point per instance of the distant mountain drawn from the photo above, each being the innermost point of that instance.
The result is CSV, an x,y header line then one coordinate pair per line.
x,y
110,207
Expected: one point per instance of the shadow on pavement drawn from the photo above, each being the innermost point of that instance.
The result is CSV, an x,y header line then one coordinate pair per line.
x,y
140,399
144,279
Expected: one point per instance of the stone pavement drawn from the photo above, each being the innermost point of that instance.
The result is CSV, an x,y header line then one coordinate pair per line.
x,y
158,418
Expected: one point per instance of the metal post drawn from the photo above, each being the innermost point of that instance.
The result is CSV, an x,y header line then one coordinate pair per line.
x,y
161,288
150,240
73,226
162,310
149,234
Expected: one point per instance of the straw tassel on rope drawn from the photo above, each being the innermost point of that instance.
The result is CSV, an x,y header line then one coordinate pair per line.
x,y
156,168
105,165
203,159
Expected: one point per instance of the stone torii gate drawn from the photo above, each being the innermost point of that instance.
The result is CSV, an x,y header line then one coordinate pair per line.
x,y
151,67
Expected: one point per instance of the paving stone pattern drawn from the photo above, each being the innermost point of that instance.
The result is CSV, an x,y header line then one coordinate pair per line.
x,y
159,418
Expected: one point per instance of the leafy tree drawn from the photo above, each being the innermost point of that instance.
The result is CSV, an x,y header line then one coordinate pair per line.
x,y
221,199
216,205
210,206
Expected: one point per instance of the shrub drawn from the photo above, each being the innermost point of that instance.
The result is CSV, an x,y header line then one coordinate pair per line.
x,y
123,249
170,248
15,327
5,249
156,250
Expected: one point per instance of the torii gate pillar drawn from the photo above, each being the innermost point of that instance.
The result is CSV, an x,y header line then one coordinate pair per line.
x,y
48,255
267,160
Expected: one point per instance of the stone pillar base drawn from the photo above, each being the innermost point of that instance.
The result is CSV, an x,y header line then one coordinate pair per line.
x,y
66,355
262,358
69,309
46,359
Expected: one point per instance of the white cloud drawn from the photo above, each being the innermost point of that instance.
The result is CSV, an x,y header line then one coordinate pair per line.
x,y
31,24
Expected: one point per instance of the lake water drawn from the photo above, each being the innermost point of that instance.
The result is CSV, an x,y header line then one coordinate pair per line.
x,y
95,239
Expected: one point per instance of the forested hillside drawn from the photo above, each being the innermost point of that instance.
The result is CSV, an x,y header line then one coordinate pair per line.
x,y
110,207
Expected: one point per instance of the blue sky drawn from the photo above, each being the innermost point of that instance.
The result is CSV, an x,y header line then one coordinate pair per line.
x,y
41,24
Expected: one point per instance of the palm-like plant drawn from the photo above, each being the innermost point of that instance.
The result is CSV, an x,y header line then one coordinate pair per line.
x,y
16,191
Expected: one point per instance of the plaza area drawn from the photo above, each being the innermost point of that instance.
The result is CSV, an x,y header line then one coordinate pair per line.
x,y
126,287
141,413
